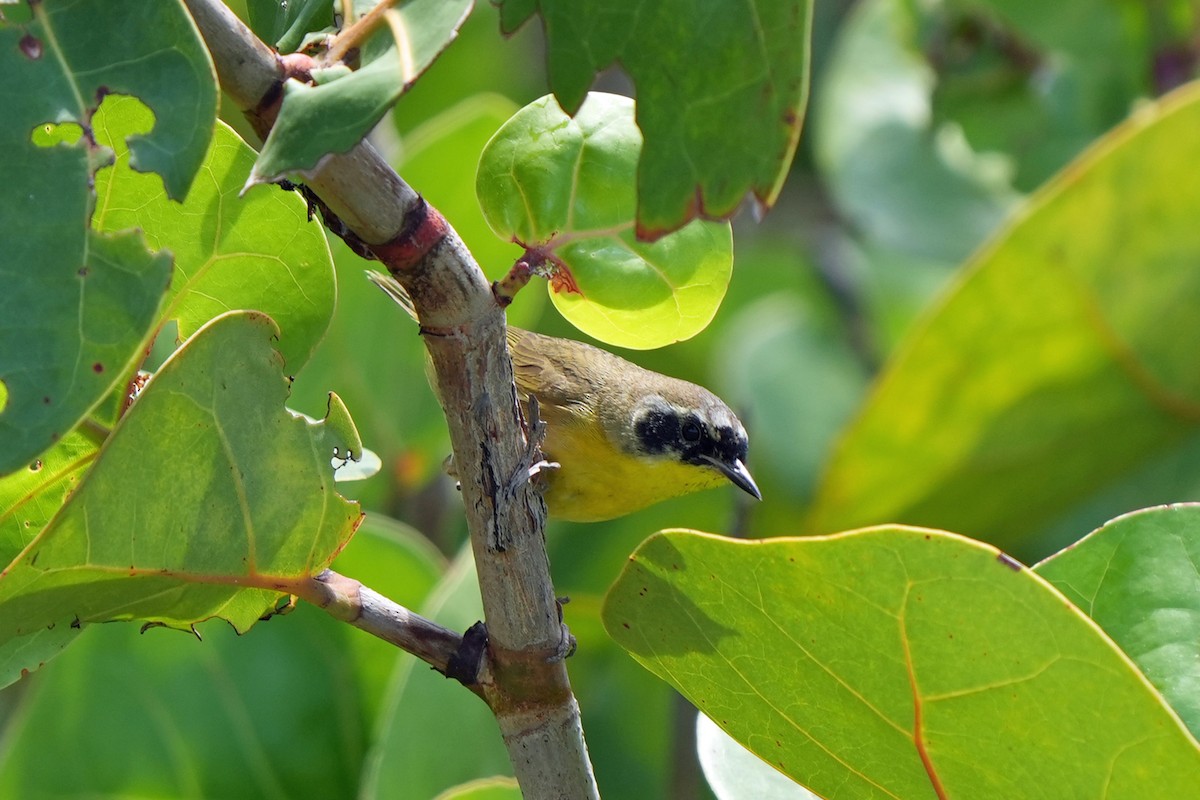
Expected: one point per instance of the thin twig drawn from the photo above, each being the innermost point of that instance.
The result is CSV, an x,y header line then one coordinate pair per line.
x,y
351,602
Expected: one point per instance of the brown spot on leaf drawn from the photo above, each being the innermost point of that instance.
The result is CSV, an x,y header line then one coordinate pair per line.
x,y
1009,561
31,46
97,368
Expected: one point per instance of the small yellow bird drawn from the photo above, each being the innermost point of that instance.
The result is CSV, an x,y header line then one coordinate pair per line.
x,y
624,437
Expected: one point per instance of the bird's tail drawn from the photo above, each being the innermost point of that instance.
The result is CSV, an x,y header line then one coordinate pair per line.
x,y
392,288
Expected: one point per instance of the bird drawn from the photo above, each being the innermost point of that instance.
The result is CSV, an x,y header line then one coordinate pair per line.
x,y
622,437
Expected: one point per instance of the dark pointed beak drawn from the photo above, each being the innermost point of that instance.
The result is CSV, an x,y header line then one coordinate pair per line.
x,y
737,474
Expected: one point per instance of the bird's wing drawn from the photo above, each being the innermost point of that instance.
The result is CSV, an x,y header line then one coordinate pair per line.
x,y
539,369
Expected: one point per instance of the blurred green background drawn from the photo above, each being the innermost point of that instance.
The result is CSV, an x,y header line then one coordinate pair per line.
x,y
931,126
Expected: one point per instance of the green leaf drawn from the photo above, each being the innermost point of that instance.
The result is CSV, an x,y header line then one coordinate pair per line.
x,y
286,24
722,90
333,117
399,768
1138,578
888,662
1060,362
908,182
257,252
77,327
564,189
60,66
207,718
499,788
77,305
208,499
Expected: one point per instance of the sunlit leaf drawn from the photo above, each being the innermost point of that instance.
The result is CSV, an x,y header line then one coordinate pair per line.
x,y
564,188
260,251
1139,578
208,499
896,662
1059,363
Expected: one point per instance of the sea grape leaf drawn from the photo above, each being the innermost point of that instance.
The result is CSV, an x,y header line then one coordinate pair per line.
x,y
898,662
563,188
208,716
721,87
286,24
333,117
260,251
209,499
78,305
1060,362
1138,578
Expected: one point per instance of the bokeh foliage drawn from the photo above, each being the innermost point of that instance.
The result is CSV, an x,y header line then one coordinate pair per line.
x,y
970,310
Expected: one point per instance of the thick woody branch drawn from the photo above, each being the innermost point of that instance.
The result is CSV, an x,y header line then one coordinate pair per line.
x,y
367,203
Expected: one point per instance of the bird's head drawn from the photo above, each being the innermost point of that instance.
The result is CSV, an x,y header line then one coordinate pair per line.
x,y
690,425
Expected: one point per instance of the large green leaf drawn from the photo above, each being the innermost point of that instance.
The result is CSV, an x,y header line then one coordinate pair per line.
x,y
1139,578
721,92
216,717
208,499
1061,361
897,662
259,252
564,188
333,117
76,305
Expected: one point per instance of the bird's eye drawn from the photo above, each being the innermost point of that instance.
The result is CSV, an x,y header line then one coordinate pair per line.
x,y
691,431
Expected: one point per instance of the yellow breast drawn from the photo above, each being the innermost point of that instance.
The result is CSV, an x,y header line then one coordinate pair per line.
x,y
596,481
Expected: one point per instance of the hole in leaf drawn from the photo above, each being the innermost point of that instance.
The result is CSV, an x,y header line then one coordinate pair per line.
x,y
50,134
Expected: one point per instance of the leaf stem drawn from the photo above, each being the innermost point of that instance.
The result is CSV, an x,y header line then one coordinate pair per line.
x,y
357,33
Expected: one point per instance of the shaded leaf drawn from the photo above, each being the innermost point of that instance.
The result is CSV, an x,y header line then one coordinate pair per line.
x,y
333,117
208,499
211,718
888,662
564,188
77,306
1059,363
1138,577
721,88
